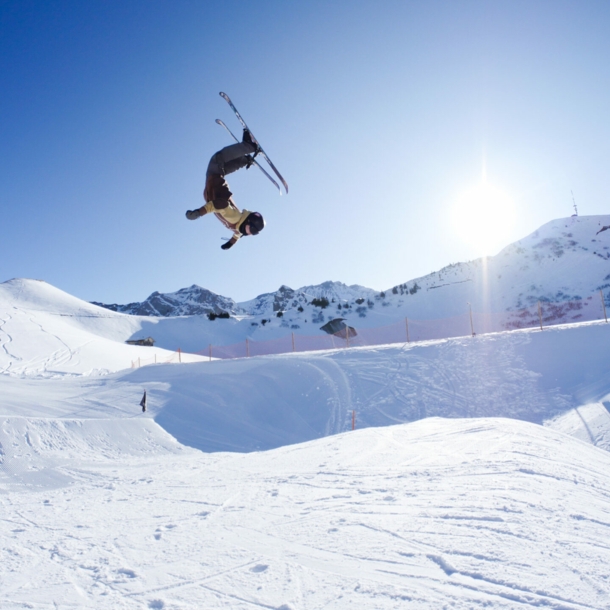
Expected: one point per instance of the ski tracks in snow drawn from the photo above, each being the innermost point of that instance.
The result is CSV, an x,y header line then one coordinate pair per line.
x,y
340,400
461,378
463,514
33,365
6,340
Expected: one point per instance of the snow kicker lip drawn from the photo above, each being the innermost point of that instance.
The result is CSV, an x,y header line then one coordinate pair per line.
x,y
39,453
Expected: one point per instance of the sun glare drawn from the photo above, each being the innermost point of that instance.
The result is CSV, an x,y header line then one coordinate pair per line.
x,y
484,218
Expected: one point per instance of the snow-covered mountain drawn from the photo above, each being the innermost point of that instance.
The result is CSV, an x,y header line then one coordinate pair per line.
x,y
287,299
191,301
564,263
196,300
243,486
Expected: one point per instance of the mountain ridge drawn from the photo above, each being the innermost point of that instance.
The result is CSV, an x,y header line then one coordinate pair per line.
x,y
562,261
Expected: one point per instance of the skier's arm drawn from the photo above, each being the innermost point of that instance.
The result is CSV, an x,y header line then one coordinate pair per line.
x,y
209,208
230,243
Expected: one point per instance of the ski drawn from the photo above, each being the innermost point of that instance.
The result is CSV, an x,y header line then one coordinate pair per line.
x,y
262,152
255,161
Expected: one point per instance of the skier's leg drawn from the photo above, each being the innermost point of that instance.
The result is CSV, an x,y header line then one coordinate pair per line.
x,y
230,158
225,161
235,164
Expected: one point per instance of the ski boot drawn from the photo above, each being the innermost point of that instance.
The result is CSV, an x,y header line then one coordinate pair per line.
x,y
247,139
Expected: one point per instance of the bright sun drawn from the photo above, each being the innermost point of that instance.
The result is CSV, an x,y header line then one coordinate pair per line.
x,y
484,217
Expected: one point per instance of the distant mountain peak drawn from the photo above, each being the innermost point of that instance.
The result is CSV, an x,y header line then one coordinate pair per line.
x,y
193,300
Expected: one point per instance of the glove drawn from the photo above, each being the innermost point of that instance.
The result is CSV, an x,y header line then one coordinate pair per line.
x,y
228,244
195,214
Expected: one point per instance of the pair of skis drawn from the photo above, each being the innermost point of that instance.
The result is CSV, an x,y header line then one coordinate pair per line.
x,y
261,152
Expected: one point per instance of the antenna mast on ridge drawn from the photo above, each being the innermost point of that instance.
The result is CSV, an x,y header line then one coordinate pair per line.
x,y
574,201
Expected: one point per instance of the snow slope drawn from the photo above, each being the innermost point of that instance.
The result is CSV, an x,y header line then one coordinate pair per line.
x,y
267,402
464,514
443,497
45,331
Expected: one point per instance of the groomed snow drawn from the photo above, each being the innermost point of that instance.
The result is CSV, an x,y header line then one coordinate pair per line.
x,y
473,504
469,513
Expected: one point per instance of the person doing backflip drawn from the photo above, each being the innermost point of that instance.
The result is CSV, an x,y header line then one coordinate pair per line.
x,y
218,197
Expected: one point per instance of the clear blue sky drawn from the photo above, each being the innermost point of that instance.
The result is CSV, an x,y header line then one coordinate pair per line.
x,y
380,115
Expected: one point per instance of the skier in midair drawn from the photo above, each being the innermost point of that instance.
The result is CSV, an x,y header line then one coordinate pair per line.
x,y
218,197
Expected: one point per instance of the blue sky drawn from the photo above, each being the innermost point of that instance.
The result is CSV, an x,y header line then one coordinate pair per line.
x,y
380,115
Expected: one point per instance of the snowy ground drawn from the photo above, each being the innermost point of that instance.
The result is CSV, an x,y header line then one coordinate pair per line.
x,y
435,514
471,505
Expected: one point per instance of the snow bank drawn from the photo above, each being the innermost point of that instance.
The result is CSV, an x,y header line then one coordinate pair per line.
x,y
439,513
46,332
266,402
35,453
589,423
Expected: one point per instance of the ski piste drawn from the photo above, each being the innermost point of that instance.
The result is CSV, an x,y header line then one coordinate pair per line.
x,y
262,152
255,161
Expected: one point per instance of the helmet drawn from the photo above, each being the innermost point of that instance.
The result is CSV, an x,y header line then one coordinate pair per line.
x,y
256,222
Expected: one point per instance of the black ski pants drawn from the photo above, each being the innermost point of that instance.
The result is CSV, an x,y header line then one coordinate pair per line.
x,y
230,159
225,161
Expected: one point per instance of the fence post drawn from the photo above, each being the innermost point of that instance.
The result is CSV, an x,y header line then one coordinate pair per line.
x,y
139,365
179,355
407,323
353,420
210,352
293,342
155,358
471,324
347,334
247,348
601,294
540,314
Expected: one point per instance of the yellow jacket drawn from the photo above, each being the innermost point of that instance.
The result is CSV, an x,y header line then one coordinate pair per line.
x,y
230,216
